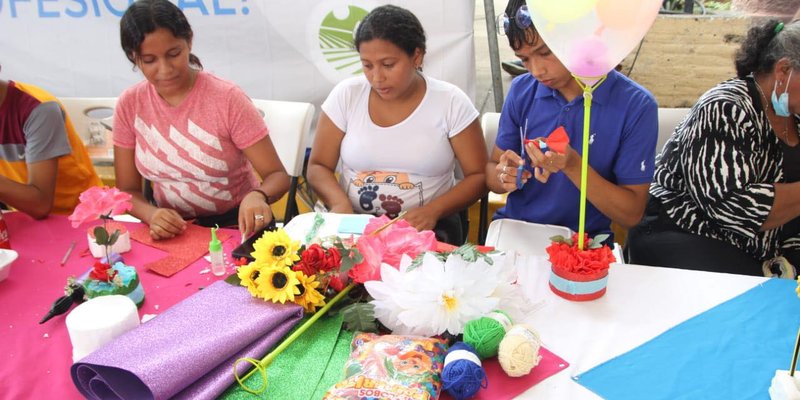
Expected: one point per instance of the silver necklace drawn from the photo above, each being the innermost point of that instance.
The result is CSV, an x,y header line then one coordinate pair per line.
x,y
767,106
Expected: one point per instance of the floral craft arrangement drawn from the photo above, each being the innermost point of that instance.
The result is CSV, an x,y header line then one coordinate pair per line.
x,y
110,275
389,280
579,274
101,203
103,278
285,271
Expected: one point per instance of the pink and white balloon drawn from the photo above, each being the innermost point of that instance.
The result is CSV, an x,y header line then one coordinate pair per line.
x,y
591,37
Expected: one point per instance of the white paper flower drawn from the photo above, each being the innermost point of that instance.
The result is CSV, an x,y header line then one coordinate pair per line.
x,y
512,298
448,295
386,294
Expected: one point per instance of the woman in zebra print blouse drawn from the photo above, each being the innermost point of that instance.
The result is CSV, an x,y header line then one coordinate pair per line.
x,y
726,191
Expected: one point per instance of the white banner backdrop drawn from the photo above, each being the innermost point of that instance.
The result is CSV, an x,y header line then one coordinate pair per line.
x,y
274,49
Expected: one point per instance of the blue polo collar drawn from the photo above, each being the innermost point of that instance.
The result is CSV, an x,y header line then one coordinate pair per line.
x,y
599,96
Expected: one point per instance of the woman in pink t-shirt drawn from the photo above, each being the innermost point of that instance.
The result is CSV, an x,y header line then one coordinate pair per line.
x,y
185,130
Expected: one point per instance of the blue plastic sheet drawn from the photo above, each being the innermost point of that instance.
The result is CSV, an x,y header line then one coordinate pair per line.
x,y
728,352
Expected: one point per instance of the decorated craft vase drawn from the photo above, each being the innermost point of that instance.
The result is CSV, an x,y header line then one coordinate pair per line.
x,y
578,287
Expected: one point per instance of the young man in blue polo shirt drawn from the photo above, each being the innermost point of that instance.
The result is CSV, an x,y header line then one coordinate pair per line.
x,y
624,129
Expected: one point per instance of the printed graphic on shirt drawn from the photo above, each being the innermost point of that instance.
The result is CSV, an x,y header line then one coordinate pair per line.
x,y
380,192
185,186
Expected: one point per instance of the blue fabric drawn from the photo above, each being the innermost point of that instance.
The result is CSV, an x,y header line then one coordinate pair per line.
x,y
623,134
574,287
728,352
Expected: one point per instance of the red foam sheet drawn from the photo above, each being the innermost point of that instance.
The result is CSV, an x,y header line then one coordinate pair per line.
x,y
183,249
503,387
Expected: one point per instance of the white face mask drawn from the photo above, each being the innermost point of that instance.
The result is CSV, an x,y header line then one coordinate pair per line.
x,y
781,104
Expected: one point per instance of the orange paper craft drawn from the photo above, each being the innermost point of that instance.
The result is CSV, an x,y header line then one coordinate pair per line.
x,y
183,249
556,140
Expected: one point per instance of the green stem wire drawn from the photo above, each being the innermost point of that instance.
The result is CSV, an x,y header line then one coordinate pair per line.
x,y
793,365
259,366
587,114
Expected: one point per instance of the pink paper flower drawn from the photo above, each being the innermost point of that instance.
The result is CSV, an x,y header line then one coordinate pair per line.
x,y
97,203
388,246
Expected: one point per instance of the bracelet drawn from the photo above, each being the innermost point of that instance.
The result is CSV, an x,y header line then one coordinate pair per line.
x,y
267,197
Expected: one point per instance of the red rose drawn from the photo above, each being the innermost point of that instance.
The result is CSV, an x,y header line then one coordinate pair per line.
x,y
337,283
312,260
333,260
102,272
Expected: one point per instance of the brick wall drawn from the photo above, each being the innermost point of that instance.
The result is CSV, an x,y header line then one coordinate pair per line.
x,y
683,56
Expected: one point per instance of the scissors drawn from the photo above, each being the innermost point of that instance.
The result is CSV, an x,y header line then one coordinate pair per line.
x,y
521,168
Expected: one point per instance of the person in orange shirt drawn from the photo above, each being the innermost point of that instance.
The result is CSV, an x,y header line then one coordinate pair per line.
x,y
44,166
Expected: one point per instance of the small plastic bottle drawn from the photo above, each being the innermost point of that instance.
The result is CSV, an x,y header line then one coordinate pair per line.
x,y
215,253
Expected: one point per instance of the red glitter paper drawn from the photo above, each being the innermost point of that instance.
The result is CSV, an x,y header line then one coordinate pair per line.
x,y
183,249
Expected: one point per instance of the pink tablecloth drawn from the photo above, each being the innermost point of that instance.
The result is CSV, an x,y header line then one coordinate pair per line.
x,y
35,359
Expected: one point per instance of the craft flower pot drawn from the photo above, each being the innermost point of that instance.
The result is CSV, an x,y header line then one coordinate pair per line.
x,y
578,287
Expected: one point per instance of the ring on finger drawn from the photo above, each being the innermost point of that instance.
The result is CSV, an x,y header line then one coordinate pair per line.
x,y
504,169
502,176
259,217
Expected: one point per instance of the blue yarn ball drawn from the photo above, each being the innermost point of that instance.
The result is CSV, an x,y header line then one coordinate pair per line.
x,y
463,378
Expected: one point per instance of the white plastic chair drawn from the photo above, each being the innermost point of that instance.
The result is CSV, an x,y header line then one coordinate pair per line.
x,y
529,238
489,124
92,118
668,120
289,123
523,237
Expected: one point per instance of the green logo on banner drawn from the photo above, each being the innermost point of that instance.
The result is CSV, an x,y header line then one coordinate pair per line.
x,y
336,40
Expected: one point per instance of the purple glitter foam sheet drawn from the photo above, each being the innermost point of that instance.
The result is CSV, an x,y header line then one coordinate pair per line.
x,y
188,351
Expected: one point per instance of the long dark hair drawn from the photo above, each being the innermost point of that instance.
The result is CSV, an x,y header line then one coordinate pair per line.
x,y
518,37
145,16
765,44
393,24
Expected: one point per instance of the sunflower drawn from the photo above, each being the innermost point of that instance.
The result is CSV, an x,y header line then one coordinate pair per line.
x,y
248,274
276,248
310,298
277,284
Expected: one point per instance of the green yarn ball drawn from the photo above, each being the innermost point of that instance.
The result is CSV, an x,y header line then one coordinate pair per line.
x,y
484,334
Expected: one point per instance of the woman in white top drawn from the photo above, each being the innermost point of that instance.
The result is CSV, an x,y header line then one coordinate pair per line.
x,y
398,134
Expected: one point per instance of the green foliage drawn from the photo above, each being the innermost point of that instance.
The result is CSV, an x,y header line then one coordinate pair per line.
x,y
233,279
469,252
100,235
597,241
350,255
359,317
594,243
114,237
561,239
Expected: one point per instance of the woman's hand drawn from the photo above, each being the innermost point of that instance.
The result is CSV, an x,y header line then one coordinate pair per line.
x,y
254,213
550,162
342,208
507,169
423,218
166,223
